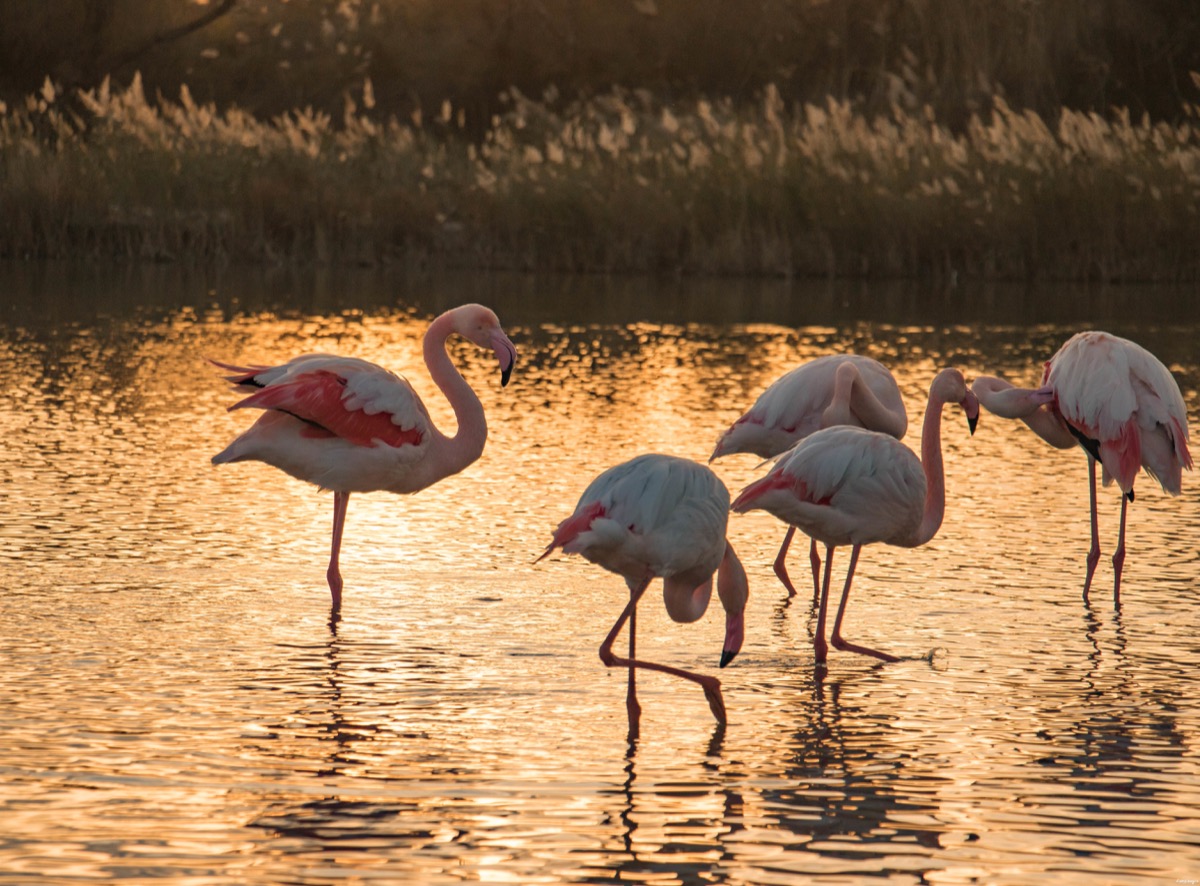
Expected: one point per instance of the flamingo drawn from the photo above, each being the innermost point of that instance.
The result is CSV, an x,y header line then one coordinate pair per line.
x,y
351,426
846,485
1118,402
840,389
659,516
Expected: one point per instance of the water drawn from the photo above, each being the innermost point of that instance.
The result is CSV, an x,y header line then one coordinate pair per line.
x,y
177,704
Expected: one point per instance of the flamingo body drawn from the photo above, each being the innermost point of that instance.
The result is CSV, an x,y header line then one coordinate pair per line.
x,y
845,486
1119,403
838,389
339,422
350,426
658,516
851,486
1117,393
810,397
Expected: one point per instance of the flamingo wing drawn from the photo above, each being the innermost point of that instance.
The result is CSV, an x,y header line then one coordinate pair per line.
x,y
1119,394
339,397
844,485
654,513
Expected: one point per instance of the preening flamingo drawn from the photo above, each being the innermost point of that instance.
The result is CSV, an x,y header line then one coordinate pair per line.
x,y
840,389
658,516
351,426
1119,403
846,485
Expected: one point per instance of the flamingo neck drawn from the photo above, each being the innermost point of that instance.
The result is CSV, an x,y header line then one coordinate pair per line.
x,y
454,453
931,464
854,403
686,601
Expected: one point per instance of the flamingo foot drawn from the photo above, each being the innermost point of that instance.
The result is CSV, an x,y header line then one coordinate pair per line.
x,y
1118,562
820,650
1093,558
782,574
712,692
846,646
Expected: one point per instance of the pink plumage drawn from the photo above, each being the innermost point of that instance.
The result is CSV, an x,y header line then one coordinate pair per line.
x,y
658,516
838,389
351,426
1119,403
846,485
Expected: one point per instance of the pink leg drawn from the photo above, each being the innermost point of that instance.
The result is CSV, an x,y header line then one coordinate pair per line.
x,y
710,685
1093,556
631,702
334,576
815,559
781,562
820,648
1118,557
836,638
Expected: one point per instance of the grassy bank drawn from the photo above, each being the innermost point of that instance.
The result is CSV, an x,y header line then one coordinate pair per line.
x,y
618,183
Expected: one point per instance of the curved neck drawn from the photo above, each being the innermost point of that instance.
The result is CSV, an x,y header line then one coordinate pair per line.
x,y
854,403
1029,405
467,443
685,600
931,464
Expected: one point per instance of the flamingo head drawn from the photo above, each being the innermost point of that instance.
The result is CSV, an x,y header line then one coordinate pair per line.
x,y
481,326
734,590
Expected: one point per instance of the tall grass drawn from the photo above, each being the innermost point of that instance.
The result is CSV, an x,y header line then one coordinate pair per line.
x,y
621,182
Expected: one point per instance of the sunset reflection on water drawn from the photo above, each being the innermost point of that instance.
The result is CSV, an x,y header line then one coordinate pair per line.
x,y
178,705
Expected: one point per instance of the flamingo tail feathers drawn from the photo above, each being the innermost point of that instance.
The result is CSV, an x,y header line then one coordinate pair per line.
x,y
572,527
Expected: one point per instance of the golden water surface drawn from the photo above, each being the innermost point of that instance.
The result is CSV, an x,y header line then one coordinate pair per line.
x,y
177,705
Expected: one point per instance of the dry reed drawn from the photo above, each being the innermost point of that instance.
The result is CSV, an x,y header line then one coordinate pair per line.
x,y
621,182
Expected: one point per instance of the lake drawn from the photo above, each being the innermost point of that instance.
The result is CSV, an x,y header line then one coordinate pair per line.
x,y
179,705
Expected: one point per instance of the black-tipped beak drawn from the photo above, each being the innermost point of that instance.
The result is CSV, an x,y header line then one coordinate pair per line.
x,y
972,421
505,375
727,657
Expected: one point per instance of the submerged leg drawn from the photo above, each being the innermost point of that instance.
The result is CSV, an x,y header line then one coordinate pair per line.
x,y
815,559
710,685
820,647
836,638
1093,556
333,574
781,562
1118,557
631,702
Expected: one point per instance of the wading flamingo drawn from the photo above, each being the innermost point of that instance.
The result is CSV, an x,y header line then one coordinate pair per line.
x,y
658,516
351,426
846,485
1119,403
840,389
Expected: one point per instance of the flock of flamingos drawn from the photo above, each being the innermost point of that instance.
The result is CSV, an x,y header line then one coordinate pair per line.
x,y
832,428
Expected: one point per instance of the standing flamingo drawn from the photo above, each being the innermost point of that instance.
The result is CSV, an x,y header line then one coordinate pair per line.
x,y
846,485
658,516
840,389
1119,403
351,426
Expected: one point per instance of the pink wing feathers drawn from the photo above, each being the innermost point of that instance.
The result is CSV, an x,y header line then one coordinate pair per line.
x,y
338,397
1116,392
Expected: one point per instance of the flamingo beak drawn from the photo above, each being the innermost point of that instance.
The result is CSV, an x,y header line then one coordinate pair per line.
x,y
506,353
735,631
970,405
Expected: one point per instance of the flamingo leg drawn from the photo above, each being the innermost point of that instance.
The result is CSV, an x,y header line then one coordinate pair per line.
x,y
631,702
710,685
820,647
334,575
781,562
1093,556
836,637
815,559
1118,557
